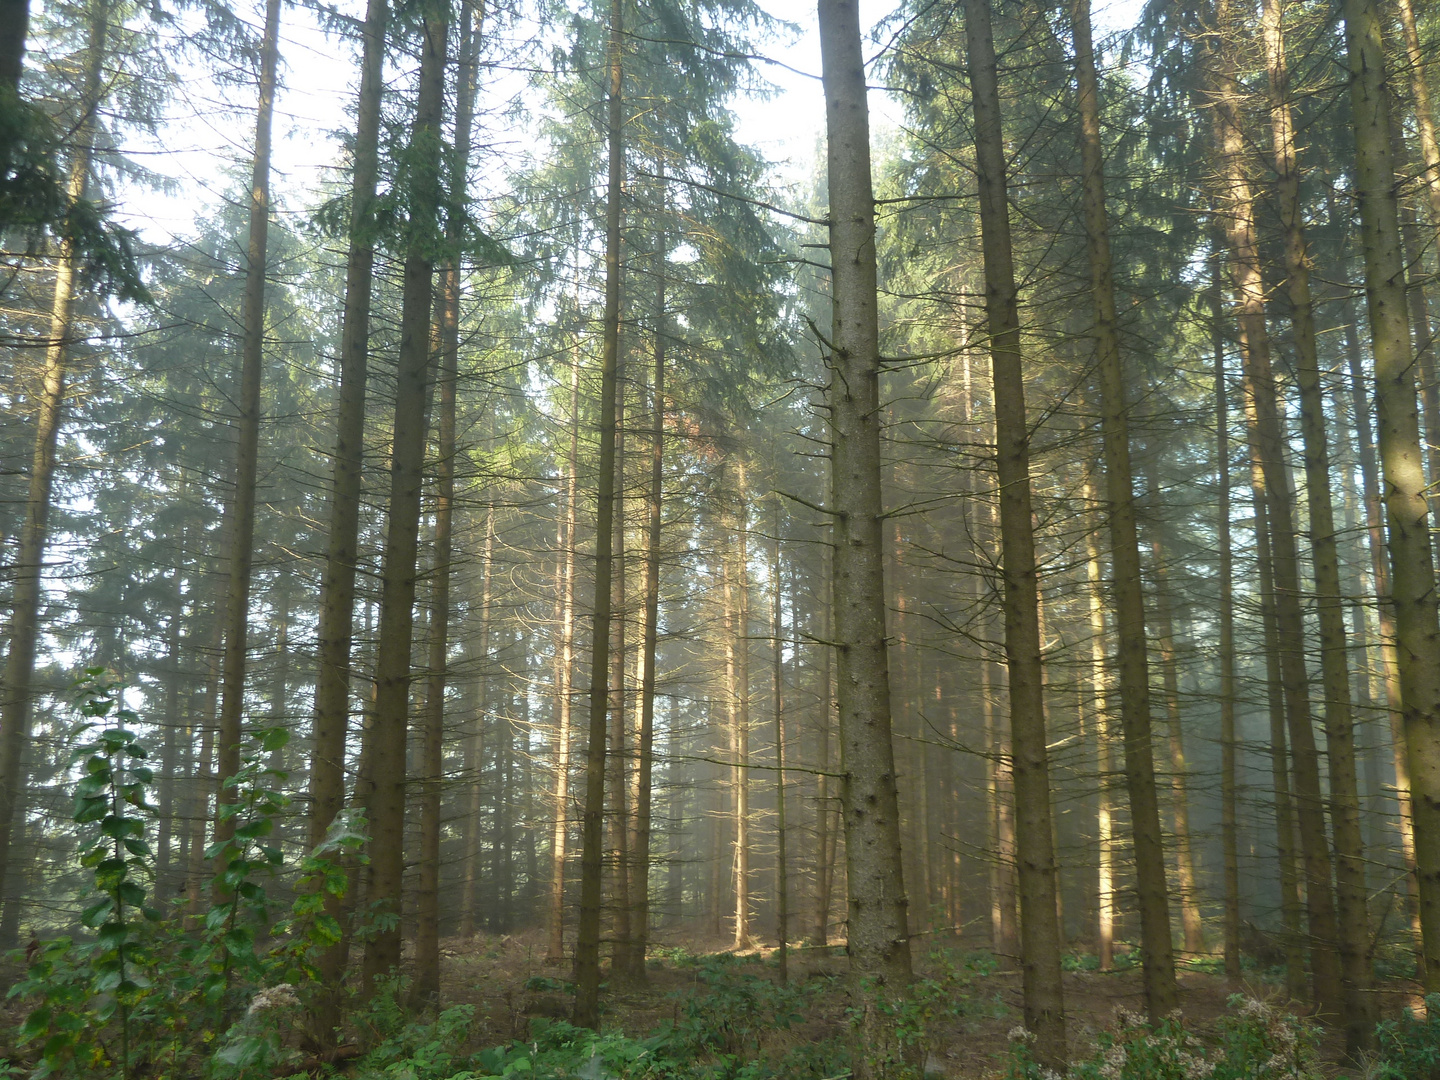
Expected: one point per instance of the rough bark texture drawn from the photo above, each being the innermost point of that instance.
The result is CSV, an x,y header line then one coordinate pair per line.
x,y
387,724
1266,435
1353,926
1132,663
1040,934
1413,574
28,568
879,944
587,942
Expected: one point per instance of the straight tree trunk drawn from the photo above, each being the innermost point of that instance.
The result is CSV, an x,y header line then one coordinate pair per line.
x,y
386,731
782,887
645,732
737,678
1267,445
1413,573
1132,662
1104,810
426,986
247,454
1385,613
587,943
1229,786
879,944
824,849
616,757
564,680
475,744
1040,932
1185,872
1353,920
27,570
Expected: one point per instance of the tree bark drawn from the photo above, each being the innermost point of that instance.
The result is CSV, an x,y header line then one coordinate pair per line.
x,y
1040,932
27,571
1413,573
386,731
879,943
782,870
247,454
587,943
1353,924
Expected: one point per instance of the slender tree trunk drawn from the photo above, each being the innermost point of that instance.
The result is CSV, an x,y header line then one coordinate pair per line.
x,y
824,850
1413,572
1385,613
1132,662
1104,810
247,454
1267,444
616,757
737,678
587,943
1229,787
426,986
475,748
1353,920
386,731
879,943
1040,932
645,733
27,571
564,680
1185,872
782,885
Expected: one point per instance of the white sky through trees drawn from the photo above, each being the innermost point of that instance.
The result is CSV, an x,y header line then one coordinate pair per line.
x,y
204,147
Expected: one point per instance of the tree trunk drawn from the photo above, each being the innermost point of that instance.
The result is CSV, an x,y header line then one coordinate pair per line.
x,y
1229,788
386,732
475,745
1267,444
1040,933
879,943
1104,810
1413,572
247,453
616,757
1353,920
587,943
824,851
1132,662
782,885
645,732
564,680
737,679
27,571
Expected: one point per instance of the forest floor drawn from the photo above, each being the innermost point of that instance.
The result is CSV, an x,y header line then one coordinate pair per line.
x,y
510,984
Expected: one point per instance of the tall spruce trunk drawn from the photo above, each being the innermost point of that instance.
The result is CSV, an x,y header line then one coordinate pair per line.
x,y
333,681
587,942
564,680
426,986
782,884
1104,765
1040,933
645,725
737,678
879,945
1353,922
1225,571
247,454
1417,631
1385,616
27,570
1268,447
1132,663
388,722
616,758
475,743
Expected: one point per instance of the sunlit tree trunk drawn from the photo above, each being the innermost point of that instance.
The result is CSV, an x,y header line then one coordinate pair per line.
x,y
1267,445
1413,574
1131,659
1353,921
475,742
878,936
1104,808
564,680
1040,932
782,884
